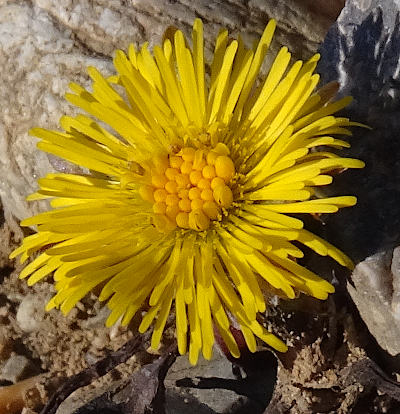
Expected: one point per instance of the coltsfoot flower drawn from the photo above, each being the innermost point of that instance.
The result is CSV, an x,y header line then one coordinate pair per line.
x,y
192,182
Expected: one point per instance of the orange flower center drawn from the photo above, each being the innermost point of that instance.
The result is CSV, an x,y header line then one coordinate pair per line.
x,y
191,188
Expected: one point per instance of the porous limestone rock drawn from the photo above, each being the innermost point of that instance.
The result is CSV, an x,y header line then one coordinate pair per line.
x,y
45,44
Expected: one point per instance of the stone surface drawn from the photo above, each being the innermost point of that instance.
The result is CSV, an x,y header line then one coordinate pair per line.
x,y
203,400
362,51
45,44
38,58
14,368
211,387
218,386
104,25
376,293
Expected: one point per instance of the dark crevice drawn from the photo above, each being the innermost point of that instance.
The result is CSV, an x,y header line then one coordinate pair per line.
x,y
5,271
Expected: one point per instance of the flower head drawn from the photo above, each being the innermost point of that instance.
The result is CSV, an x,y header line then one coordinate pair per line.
x,y
191,185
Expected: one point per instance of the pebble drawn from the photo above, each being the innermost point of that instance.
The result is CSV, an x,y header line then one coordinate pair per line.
x,y
30,313
15,368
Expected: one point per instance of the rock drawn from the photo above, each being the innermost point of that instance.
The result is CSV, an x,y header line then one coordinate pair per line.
x,y
376,293
210,387
191,398
361,51
103,26
45,44
217,386
15,368
140,394
38,59
31,312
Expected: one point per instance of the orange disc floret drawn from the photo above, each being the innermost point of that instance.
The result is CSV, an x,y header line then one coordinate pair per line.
x,y
190,188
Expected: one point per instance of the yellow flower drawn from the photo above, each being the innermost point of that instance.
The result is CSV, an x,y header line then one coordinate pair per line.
x,y
192,180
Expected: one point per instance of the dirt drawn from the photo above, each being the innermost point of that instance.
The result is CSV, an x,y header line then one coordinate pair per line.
x,y
57,346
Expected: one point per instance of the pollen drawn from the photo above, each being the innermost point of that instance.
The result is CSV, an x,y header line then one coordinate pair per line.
x,y
224,167
190,188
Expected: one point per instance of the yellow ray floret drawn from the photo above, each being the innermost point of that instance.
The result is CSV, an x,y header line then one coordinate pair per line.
x,y
193,179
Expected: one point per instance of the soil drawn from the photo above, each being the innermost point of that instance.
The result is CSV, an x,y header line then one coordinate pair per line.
x,y
57,346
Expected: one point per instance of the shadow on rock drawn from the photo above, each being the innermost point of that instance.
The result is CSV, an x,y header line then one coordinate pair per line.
x,y
361,51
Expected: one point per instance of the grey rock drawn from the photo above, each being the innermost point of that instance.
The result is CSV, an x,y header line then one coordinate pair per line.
x,y
38,59
15,368
180,398
376,293
139,394
103,25
172,384
362,51
220,386
45,44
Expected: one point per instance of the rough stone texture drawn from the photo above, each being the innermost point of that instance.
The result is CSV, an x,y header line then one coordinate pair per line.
x,y
376,293
104,25
361,51
45,44
38,59
219,386
213,400
14,368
